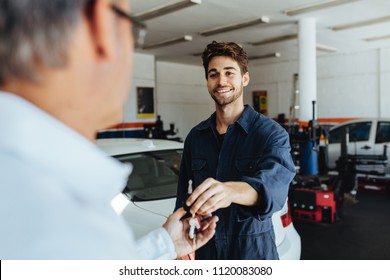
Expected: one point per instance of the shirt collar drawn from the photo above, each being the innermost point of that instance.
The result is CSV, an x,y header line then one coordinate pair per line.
x,y
245,121
32,134
247,118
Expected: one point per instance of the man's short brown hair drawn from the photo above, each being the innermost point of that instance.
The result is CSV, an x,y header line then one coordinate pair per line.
x,y
229,49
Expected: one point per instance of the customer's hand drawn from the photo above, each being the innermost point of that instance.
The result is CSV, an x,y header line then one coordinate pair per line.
x,y
178,230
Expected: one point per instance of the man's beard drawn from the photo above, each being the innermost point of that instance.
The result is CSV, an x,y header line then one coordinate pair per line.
x,y
222,102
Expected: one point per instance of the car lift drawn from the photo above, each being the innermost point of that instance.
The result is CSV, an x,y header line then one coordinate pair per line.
x,y
311,196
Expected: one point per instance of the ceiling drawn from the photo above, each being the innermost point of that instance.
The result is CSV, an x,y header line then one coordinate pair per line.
x,y
216,13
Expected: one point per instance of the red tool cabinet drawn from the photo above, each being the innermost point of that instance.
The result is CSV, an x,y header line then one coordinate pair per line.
x,y
313,205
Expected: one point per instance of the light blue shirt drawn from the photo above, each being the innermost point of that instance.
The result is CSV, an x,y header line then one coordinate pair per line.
x,y
55,192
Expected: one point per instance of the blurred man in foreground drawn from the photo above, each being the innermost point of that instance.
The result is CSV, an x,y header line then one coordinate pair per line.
x,y
65,71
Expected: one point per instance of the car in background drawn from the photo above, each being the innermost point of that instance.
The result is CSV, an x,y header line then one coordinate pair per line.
x,y
367,137
150,194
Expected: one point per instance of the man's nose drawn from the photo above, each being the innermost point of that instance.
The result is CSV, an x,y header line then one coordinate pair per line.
x,y
222,79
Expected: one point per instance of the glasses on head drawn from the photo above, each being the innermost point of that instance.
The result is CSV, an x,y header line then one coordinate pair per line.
x,y
138,28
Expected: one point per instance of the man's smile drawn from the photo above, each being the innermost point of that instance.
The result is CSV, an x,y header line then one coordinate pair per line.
x,y
223,90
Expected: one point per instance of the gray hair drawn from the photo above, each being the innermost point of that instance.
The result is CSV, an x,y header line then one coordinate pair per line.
x,y
35,33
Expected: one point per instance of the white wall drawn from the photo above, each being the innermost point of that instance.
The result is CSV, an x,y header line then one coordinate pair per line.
x,y
354,85
180,93
349,84
277,80
143,76
384,83
182,96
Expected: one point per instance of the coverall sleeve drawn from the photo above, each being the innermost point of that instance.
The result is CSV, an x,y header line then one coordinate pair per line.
x,y
275,171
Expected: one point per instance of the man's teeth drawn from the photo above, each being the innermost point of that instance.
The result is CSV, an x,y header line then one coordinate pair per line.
x,y
223,90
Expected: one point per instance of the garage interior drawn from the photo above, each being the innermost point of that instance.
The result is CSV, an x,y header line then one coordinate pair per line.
x,y
349,70
313,64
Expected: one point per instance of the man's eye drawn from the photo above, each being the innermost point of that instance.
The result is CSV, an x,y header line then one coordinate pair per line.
x,y
213,75
229,74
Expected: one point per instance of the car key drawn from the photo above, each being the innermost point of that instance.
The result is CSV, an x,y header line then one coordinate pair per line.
x,y
195,226
189,192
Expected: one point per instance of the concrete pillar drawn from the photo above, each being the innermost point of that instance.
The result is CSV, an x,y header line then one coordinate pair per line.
x,y
307,68
381,105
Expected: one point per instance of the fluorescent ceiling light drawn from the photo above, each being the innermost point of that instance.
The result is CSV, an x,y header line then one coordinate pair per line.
x,y
264,56
275,40
324,48
290,37
166,9
235,26
168,42
385,37
316,6
361,23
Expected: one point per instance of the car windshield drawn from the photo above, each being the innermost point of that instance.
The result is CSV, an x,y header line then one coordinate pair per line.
x,y
357,132
154,176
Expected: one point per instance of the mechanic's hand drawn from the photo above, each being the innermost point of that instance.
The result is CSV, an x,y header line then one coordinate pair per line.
x,y
210,196
179,231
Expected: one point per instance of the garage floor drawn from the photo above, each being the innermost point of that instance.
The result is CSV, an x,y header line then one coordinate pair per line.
x,y
363,233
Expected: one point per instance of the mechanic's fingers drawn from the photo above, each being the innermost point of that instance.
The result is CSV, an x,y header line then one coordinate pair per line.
x,y
205,201
199,190
212,204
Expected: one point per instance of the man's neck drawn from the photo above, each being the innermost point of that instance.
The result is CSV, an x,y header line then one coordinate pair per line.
x,y
226,116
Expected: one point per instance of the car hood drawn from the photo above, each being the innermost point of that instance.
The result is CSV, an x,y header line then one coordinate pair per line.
x,y
145,216
162,207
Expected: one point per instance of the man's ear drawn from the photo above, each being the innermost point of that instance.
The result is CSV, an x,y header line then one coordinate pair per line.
x,y
101,26
245,79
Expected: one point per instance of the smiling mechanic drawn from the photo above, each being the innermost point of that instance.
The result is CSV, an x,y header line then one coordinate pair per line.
x,y
239,161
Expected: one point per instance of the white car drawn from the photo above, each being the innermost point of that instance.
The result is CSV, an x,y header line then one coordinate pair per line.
x,y
366,137
150,194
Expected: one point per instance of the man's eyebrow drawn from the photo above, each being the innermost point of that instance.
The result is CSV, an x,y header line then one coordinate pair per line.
x,y
225,68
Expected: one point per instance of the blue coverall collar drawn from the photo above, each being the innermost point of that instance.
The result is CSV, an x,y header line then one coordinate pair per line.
x,y
245,120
